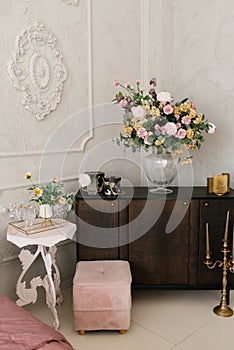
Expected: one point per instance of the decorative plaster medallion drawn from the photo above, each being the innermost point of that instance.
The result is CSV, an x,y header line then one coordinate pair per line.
x,y
72,2
36,68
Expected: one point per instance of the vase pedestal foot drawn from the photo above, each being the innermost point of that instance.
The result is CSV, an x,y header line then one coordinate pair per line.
x,y
160,190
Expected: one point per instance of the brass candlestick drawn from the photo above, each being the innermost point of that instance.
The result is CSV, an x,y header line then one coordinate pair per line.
x,y
227,264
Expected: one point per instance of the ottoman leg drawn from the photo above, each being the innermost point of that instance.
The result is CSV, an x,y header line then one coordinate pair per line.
x,y
122,331
81,332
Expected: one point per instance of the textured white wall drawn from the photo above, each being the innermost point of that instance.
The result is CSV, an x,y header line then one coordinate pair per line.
x,y
188,46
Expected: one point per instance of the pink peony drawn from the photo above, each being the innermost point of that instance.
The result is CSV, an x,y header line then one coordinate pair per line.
x,y
168,109
181,133
171,129
116,83
122,103
142,132
138,112
186,120
164,96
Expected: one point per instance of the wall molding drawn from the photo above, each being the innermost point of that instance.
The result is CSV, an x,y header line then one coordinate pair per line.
x,y
72,2
88,135
145,42
24,185
36,69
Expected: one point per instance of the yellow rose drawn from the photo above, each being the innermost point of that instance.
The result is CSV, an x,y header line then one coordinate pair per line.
x,y
62,200
187,161
198,119
55,179
128,129
158,143
137,126
178,152
38,191
176,110
185,107
28,176
192,114
190,134
155,111
147,108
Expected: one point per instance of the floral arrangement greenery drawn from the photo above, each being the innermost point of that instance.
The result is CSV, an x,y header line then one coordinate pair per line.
x,y
51,193
152,120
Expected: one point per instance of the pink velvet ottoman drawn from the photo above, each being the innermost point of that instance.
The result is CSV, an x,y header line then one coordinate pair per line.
x,y
102,295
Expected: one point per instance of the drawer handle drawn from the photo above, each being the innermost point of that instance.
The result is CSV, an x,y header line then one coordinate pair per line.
x,y
206,204
185,203
112,204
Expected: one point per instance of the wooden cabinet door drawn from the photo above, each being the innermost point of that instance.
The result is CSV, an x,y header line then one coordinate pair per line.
x,y
213,212
157,257
97,229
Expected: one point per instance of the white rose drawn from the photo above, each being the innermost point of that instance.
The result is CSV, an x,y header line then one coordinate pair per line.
x,y
164,96
212,128
84,180
170,129
138,112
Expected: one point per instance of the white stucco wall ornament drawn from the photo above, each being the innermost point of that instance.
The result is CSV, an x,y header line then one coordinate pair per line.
x,y
36,68
72,2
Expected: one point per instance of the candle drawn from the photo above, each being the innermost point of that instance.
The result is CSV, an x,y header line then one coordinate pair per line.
x,y
226,227
207,238
233,243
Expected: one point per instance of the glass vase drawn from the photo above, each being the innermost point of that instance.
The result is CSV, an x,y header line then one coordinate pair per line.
x,y
160,170
45,211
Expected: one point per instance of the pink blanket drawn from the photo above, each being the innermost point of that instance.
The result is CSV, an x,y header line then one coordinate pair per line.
x,y
19,330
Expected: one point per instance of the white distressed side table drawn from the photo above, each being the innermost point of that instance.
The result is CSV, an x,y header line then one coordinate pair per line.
x,y
45,240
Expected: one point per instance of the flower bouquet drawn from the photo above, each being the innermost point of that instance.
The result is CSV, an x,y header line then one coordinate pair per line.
x,y
50,194
153,121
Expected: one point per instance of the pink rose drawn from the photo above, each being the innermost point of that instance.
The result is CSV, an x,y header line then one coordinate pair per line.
x,y
168,109
178,125
171,129
146,142
163,130
142,132
122,103
128,84
138,112
164,96
157,127
177,116
186,120
116,83
138,81
181,133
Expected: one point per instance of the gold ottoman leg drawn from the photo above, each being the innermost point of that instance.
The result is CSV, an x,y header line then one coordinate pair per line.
x,y
122,331
81,332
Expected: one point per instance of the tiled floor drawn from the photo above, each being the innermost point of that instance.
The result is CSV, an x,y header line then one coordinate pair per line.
x,y
162,320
